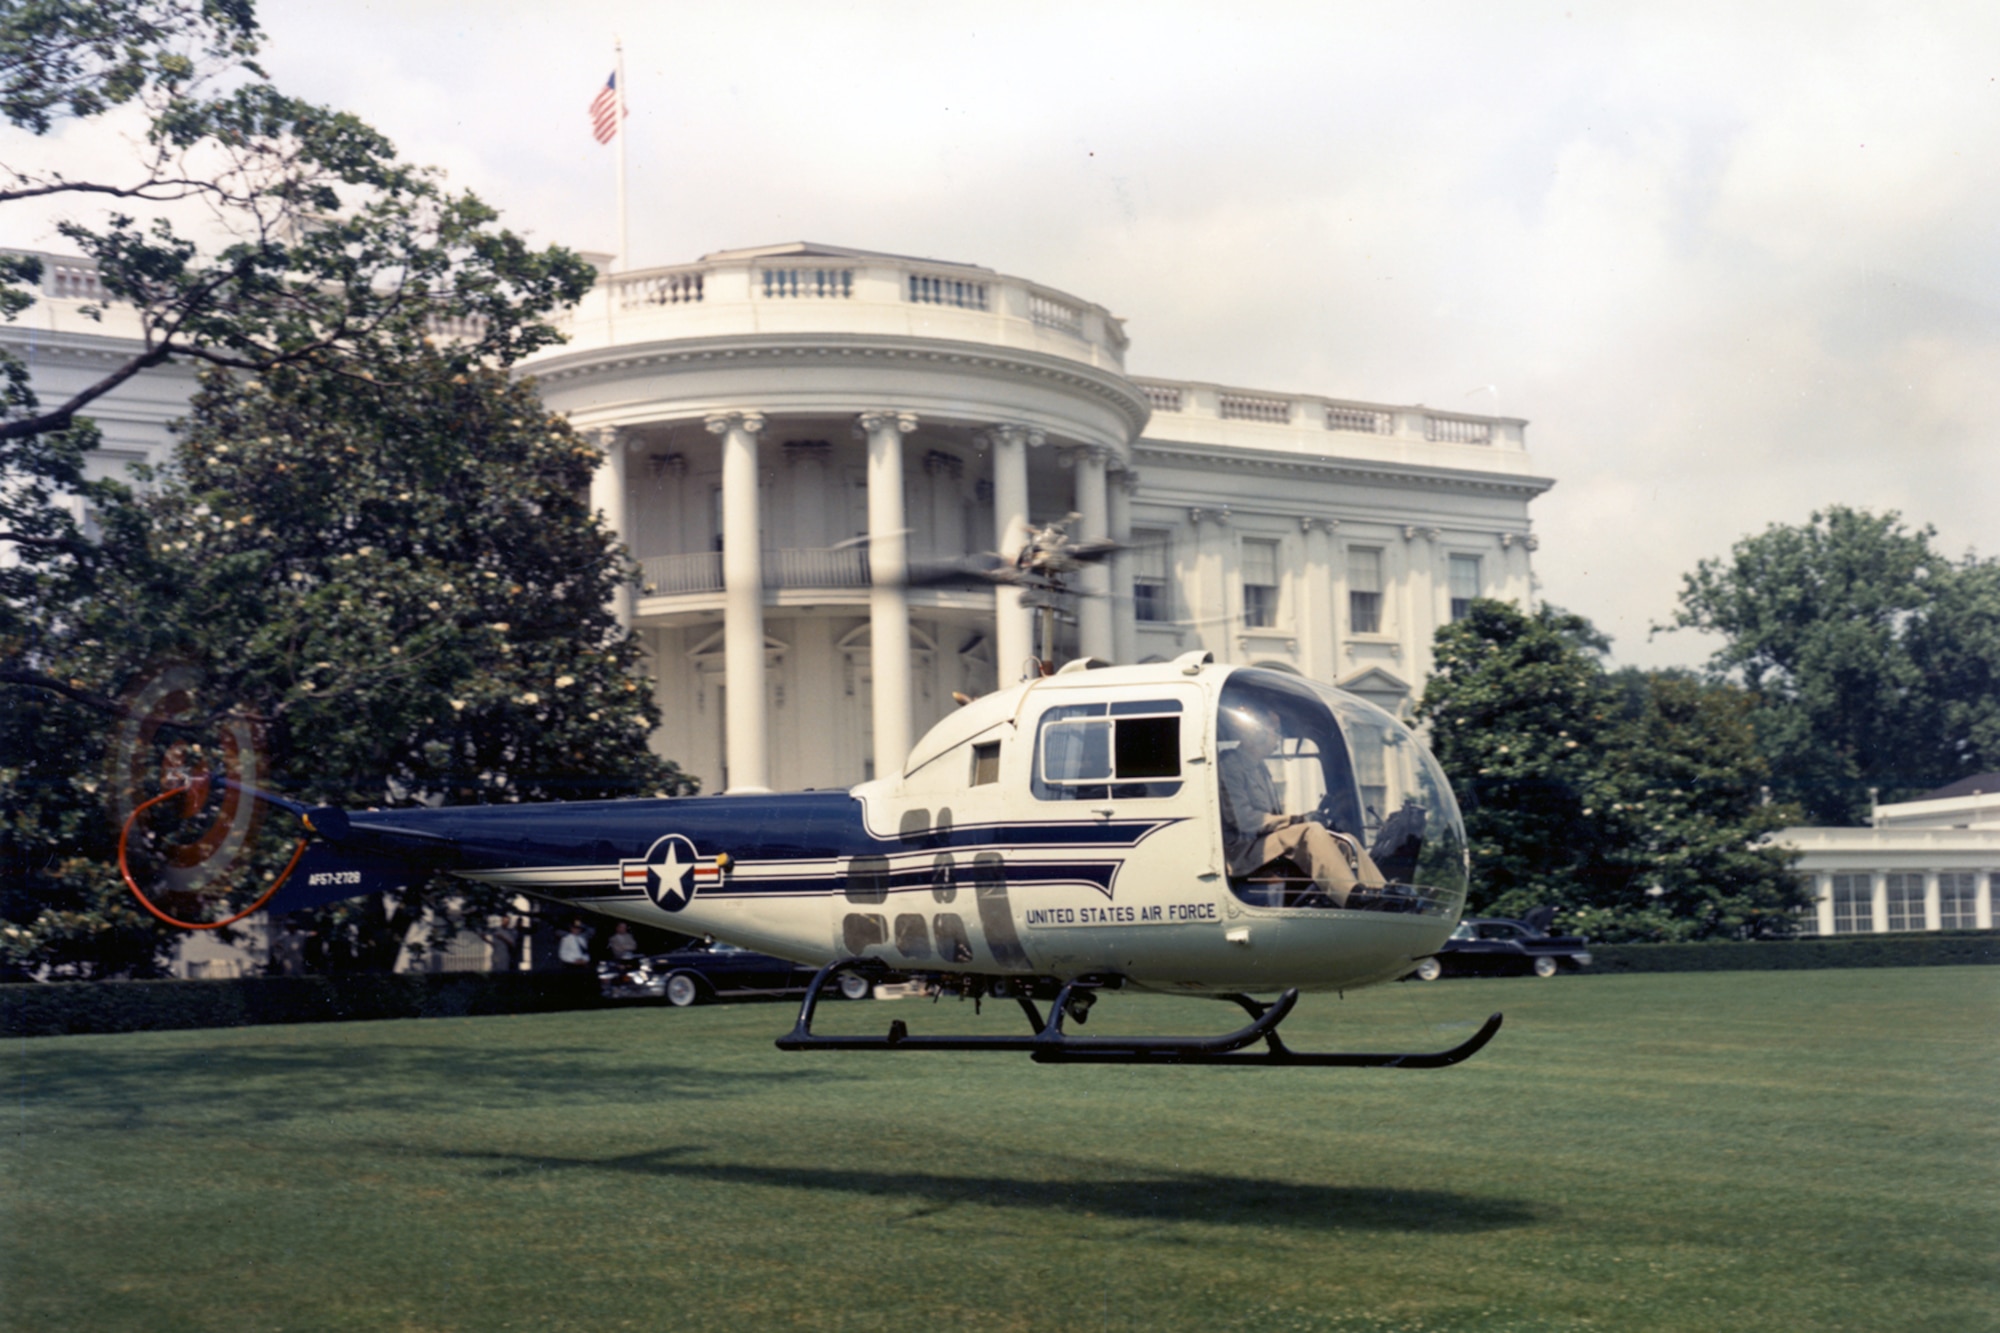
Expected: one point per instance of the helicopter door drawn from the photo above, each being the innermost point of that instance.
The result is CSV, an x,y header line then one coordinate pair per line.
x,y
1119,782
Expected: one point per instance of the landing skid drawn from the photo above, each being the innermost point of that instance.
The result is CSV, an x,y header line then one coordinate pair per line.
x,y
1049,1044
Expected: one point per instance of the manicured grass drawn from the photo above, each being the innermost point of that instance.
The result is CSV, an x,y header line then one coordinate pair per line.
x,y
1801,1150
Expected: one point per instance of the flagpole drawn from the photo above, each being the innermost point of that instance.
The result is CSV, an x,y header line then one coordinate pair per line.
x,y
624,255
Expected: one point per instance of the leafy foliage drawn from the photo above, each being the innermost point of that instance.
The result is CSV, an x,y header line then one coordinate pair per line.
x,y
398,584
1630,801
83,57
370,550
1874,661
314,242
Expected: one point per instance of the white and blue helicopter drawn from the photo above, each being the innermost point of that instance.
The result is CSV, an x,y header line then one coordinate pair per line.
x,y
1047,843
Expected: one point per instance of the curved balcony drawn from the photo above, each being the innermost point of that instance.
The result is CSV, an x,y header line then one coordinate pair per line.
x,y
805,288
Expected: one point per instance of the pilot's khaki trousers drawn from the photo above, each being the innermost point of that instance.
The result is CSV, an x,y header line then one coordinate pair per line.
x,y
1337,865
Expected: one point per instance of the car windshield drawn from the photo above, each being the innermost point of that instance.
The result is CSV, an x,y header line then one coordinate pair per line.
x,y
1295,749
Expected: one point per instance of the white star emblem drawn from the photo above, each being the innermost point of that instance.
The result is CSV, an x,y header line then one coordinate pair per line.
x,y
666,872
669,876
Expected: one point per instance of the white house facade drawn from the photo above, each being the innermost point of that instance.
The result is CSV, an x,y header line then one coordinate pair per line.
x,y
787,430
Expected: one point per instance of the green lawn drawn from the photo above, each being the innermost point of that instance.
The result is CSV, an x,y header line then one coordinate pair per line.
x,y
1791,1150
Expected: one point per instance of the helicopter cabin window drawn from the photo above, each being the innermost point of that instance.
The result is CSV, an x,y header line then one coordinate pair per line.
x,y
985,763
1124,750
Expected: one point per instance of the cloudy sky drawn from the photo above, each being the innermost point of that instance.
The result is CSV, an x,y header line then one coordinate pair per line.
x,y
1733,262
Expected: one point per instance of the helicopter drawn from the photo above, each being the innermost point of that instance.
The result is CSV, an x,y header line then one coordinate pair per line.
x,y
1052,842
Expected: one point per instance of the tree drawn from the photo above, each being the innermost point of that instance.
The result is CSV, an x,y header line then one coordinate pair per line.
x,y
369,556
1871,657
313,242
1632,801
399,584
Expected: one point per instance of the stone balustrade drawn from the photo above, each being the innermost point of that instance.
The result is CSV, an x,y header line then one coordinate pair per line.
x,y
71,279
1192,402
675,575
821,289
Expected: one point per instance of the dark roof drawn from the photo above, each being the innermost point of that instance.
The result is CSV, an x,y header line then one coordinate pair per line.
x,y
1979,784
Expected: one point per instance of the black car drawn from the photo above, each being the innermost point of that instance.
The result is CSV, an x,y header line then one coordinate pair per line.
x,y
710,969
1489,946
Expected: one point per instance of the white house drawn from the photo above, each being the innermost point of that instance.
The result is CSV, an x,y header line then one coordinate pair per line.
x,y
787,429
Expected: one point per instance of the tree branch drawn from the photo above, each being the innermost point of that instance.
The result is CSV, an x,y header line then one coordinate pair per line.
x,y
181,189
62,417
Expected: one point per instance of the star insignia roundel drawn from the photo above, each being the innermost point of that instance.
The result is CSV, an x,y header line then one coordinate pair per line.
x,y
670,873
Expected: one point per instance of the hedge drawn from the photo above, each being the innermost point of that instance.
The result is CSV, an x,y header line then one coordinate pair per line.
x,y
45,1010
52,1009
1927,949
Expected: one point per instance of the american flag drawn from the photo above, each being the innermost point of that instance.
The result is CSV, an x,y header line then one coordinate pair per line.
x,y
604,110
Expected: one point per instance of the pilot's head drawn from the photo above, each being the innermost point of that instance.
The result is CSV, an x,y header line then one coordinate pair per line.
x,y
1254,727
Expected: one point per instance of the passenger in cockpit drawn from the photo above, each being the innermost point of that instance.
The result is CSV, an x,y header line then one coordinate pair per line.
x,y
1256,831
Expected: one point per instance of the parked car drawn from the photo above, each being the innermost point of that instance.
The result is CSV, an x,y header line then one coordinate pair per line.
x,y
1487,946
710,969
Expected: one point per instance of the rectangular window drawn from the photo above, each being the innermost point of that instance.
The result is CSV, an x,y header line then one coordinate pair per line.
x,y
1260,584
1095,752
985,763
1906,901
1806,923
1958,901
1150,602
1464,585
1364,590
1853,904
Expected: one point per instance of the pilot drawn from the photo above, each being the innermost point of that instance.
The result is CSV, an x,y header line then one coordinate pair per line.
x,y
1256,831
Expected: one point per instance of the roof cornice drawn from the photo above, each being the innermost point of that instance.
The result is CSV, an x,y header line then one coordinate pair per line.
x,y
1231,458
780,350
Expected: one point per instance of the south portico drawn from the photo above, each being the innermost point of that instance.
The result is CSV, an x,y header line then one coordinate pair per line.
x,y
792,556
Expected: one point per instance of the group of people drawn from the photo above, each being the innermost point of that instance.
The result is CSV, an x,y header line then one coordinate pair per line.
x,y
574,951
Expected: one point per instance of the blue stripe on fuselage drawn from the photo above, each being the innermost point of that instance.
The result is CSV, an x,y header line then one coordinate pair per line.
x,y
753,830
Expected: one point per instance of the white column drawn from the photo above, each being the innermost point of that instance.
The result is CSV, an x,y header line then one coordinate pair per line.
x,y
1124,628
1093,608
1933,911
1982,905
1823,906
1317,609
1529,544
1013,626
609,499
743,601
888,598
1422,593
1878,904
1214,625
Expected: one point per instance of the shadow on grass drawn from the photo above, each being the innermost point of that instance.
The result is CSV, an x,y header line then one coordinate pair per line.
x,y
220,1088
1173,1197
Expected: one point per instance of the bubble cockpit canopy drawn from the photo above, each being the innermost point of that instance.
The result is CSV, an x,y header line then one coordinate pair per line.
x,y
1292,748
